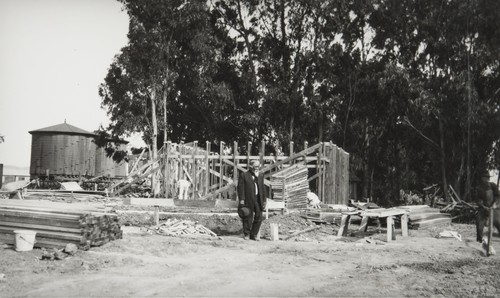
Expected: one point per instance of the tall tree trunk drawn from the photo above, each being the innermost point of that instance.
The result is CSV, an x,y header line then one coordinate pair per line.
x,y
366,181
443,165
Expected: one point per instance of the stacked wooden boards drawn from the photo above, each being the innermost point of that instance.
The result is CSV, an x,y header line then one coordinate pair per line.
x,y
291,186
332,214
423,216
56,225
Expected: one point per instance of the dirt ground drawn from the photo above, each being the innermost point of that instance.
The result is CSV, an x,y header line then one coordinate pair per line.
x,y
314,264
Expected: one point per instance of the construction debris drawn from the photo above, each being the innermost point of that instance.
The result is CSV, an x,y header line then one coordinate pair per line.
x,y
297,233
450,234
54,254
176,227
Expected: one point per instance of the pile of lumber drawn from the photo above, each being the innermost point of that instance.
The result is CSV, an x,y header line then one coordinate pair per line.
x,y
332,214
323,215
55,226
290,185
423,216
177,227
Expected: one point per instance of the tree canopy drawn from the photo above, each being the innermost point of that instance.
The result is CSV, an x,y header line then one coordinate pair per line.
x,y
411,89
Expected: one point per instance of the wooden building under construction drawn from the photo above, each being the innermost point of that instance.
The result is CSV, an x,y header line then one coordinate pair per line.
x,y
65,152
214,175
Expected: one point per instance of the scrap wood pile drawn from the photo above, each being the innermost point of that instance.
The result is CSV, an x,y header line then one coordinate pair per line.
x,y
137,174
423,216
291,186
56,227
177,227
460,210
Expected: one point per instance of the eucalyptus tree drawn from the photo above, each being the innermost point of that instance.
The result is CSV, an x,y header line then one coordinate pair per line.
x,y
283,51
450,48
175,64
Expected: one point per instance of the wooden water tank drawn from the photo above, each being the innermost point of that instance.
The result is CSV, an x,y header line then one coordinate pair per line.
x,y
63,150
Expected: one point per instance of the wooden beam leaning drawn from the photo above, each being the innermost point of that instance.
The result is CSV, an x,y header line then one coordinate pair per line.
x,y
152,170
302,153
344,225
211,195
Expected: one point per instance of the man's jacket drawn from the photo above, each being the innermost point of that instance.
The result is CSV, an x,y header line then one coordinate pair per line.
x,y
246,190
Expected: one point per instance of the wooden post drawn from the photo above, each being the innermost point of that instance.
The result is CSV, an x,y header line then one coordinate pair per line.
x,y
207,169
181,163
167,169
213,179
157,215
221,171
323,169
335,173
291,153
390,228
327,194
319,168
404,225
195,169
235,162
274,232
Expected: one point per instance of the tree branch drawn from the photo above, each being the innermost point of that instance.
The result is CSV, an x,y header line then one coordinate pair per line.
x,y
407,122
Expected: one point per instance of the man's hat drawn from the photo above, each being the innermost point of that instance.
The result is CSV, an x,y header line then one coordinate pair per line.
x,y
243,212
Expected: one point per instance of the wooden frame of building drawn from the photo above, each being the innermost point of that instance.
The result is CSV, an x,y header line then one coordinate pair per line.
x,y
215,175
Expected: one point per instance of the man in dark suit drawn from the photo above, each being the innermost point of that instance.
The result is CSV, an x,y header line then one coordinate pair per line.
x,y
251,194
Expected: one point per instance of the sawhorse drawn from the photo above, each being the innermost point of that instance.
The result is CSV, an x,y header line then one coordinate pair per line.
x,y
377,213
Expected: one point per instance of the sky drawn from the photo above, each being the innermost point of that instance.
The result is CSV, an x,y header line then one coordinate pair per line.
x,y
53,56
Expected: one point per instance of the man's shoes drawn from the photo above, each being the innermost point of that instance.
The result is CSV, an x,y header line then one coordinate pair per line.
x,y
254,238
245,237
